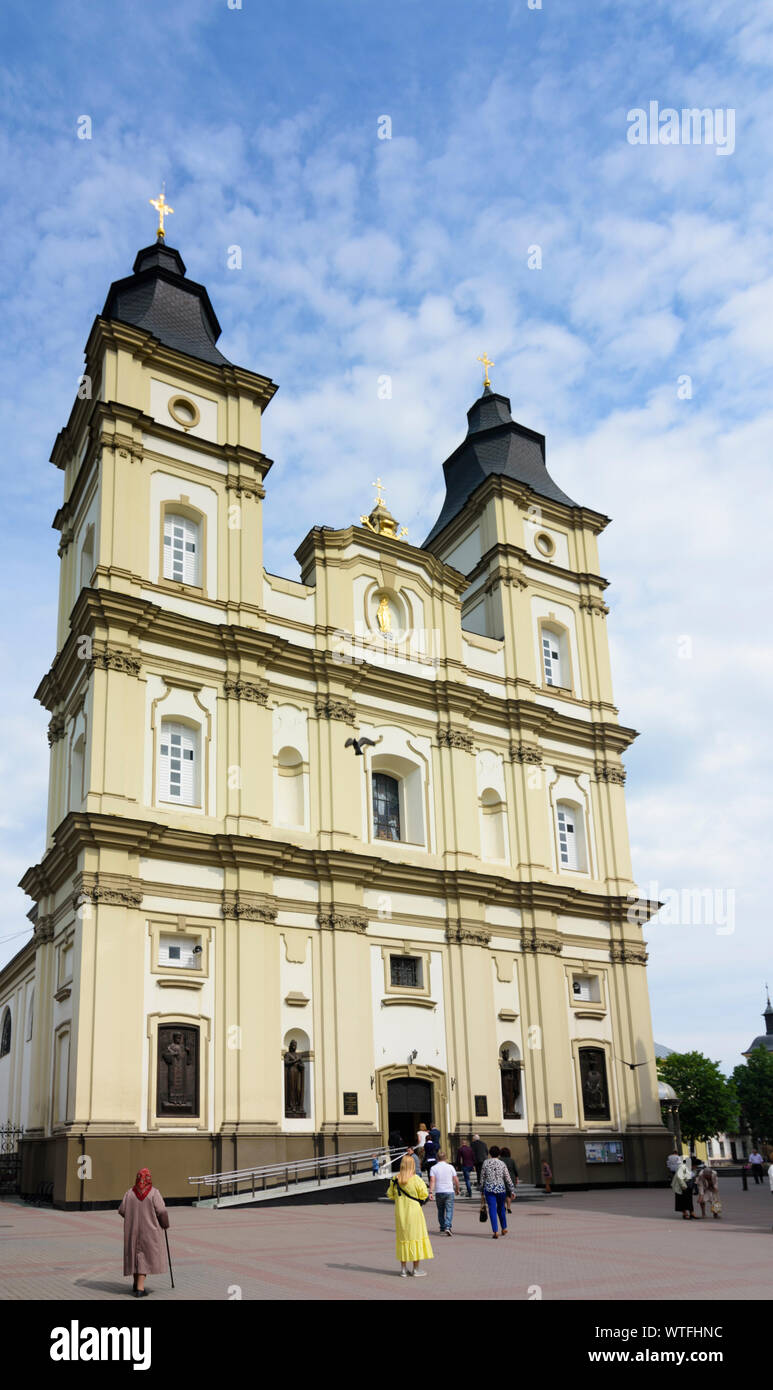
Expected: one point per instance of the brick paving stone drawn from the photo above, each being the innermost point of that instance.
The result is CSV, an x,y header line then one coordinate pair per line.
x,y
587,1245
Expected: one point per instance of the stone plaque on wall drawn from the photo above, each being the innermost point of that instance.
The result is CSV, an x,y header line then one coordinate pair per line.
x,y
350,1102
177,1089
481,1105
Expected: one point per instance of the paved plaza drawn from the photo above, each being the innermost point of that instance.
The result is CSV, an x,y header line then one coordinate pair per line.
x,y
586,1245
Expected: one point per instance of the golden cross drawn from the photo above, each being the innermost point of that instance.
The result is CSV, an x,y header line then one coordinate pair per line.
x,y
486,364
163,209
378,485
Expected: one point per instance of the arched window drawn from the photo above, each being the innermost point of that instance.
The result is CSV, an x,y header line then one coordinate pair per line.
x,y
178,763
87,558
571,837
290,790
555,657
76,772
492,825
182,547
386,807
5,1034
297,1075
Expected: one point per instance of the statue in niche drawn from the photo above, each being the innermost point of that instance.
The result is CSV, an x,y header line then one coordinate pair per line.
x,y
295,1077
177,1071
511,1085
594,1085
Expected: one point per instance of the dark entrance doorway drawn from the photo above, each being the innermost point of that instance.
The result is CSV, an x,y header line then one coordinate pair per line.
x,y
409,1104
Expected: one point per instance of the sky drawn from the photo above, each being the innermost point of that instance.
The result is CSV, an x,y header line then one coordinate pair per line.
x,y
636,337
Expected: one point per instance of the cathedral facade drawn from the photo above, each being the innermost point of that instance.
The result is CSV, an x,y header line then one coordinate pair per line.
x,y
330,856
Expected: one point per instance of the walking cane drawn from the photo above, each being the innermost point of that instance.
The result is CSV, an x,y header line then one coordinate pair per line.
x,y
169,1257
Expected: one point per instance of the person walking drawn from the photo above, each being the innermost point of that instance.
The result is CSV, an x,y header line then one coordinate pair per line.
x,y
422,1135
509,1162
418,1158
495,1183
430,1156
682,1188
707,1188
443,1187
144,1216
756,1161
770,1182
409,1194
480,1151
547,1176
434,1134
465,1159
672,1163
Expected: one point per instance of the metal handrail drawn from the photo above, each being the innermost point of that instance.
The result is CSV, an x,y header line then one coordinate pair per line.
x,y
282,1170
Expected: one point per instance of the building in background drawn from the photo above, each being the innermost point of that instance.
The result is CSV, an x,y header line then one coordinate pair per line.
x,y
326,857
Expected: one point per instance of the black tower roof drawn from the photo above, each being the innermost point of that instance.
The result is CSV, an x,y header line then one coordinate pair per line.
x,y
495,443
158,298
765,1039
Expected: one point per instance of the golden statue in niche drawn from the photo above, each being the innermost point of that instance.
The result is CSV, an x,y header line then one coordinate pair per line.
x,y
384,614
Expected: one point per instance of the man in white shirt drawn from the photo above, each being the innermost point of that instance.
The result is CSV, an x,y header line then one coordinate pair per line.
x,y
756,1161
443,1187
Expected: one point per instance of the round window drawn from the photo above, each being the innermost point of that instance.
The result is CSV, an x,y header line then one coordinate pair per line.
x,y
545,543
183,411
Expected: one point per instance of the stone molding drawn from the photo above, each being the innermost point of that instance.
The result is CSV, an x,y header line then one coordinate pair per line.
x,y
112,890
327,708
245,487
55,729
623,953
460,935
237,689
548,946
252,907
596,606
455,738
115,659
606,773
43,931
526,753
332,919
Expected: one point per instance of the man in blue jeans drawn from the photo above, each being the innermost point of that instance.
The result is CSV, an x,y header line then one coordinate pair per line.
x,y
443,1187
465,1159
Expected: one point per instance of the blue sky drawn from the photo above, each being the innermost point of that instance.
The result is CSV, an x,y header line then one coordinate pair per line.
x,y
408,257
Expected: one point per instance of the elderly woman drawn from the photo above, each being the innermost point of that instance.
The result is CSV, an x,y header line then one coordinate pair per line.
x,y
682,1188
496,1183
409,1193
707,1188
145,1217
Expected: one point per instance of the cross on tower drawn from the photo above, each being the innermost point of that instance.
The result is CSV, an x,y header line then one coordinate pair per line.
x,y
163,209
378,485
486,364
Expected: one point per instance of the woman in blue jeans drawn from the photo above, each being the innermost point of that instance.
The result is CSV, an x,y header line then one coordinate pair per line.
x,y
495,1182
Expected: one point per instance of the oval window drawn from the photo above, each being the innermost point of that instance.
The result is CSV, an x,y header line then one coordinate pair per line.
x,y
545,544
184,412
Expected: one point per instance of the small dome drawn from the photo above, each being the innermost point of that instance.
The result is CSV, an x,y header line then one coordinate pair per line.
x,y
666,1092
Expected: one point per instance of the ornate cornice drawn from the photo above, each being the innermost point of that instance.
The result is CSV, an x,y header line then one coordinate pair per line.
x,y
525,753
245,487
66,540
462,935
251,907
547,945
455,738
237,689
591,604
625,953
332,919
606,773
327,708
107,658
112,890
55,729
43,931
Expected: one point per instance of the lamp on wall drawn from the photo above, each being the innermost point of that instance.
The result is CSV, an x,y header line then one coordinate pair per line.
x,y
412,1057
372,1082
453,1082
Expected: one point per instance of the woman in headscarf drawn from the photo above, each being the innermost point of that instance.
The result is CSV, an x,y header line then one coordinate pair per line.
x,y
145,1217
682,1188
409,1193
707,1187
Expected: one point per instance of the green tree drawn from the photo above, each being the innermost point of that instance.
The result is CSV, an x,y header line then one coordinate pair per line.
x,y
709,1104
754,1084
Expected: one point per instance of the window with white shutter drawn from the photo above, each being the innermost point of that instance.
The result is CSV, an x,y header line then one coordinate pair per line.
x,y
551,658
179,952
181,549
567,837
178,766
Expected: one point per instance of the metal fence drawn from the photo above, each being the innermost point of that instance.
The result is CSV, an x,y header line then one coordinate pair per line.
x,y
10,1157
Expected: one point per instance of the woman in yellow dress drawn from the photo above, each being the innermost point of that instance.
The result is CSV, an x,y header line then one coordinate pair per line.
x,y
408,1193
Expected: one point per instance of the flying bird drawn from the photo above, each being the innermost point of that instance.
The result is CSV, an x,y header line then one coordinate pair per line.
x,y
359,743
632,1065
